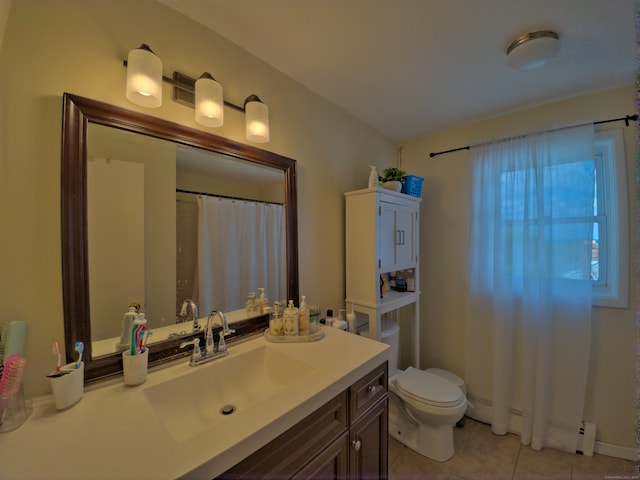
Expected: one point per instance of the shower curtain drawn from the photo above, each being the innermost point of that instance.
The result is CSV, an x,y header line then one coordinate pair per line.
x,y
528,326
241,247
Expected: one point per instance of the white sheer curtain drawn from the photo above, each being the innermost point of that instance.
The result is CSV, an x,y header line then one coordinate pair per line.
x,y
241,247
528,327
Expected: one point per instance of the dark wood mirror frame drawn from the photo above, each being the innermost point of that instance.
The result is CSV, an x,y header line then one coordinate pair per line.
x,y
77,113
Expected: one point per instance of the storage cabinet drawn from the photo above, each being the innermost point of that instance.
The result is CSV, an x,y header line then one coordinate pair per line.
x,y
382,236
345,438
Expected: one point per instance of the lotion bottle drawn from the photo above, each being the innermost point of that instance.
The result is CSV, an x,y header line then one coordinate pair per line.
x,y
275,321
290,319
303,317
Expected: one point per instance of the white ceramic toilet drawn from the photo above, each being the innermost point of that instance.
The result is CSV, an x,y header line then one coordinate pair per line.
x,y
424,405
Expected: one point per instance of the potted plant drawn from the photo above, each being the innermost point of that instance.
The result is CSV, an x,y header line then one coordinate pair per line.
x,y
391,178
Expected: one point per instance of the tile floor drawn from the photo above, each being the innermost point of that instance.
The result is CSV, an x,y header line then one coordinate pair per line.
x,y
482,455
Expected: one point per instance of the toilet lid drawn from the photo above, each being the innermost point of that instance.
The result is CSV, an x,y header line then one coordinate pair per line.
x,y
428,388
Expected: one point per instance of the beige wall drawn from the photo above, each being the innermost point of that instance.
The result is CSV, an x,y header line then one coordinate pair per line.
x,y
76,46
55,46
444,234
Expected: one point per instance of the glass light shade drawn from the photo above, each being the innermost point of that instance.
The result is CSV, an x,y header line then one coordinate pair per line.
x,y
533,50
144,77
257,120
209,103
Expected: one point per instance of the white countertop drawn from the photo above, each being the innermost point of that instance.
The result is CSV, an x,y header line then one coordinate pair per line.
x,y
113,432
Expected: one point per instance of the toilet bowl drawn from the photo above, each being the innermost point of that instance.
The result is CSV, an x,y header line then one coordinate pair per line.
x,y
424,405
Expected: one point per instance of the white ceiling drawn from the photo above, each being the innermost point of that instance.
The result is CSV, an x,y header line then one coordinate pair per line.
x,y
409,67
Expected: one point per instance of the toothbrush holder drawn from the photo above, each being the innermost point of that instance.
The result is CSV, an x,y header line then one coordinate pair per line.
x,y
135,367
68,388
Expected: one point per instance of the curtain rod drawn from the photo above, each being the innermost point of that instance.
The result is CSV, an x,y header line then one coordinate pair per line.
x,y
469,147
205,194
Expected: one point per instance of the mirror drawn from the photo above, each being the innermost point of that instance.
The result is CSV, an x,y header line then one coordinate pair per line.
x,y
85,119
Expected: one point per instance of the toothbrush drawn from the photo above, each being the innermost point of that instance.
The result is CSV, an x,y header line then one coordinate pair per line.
x,y
79,349
11,380
147,334
55,349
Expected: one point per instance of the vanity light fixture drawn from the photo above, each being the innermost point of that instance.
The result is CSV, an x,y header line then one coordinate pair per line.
x,y
144,77
257,119
533,50
144,88
209,103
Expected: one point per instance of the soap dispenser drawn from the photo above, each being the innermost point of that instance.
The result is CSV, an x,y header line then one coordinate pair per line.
x,y
290,319
275,320
263,301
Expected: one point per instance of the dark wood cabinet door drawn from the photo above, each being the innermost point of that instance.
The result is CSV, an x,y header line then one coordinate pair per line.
x,y
368,445
330,464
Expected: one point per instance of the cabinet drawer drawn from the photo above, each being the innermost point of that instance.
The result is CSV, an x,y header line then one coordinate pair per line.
x,y
367,391
293,449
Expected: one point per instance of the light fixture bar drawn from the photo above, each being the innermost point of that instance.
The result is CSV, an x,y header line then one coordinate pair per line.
x,y
184,90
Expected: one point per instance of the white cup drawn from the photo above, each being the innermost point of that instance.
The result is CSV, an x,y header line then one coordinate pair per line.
x,y
68,388
135,367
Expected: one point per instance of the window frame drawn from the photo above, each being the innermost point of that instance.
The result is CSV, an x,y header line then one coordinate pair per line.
x,y
613,290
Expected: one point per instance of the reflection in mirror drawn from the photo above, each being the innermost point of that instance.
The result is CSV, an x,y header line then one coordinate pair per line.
x,y
137,200
144,248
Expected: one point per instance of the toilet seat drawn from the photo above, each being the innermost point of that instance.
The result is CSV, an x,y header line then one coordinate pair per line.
x,y
428,388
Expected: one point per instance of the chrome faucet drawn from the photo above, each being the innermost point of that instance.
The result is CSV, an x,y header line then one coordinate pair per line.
x,y
223,333
198,357
194,312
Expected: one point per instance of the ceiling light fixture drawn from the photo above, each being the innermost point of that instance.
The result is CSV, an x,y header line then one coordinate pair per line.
x,y
144,88
533,50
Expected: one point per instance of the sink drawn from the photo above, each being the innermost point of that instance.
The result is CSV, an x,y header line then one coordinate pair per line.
x,y
224,390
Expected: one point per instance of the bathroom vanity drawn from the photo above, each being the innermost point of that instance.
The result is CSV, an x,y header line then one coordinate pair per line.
x,y
300,410
345,438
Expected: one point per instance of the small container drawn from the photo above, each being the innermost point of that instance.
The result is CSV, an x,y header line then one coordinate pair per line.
x,y
401,283
135,367
275,321
373,177
68,388
263,301
330,318
252,307
412,185
351,322
290,319
314,315
411,281
303,317
16,412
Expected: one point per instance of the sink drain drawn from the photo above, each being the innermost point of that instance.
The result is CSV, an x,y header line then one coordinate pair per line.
x,y
227,410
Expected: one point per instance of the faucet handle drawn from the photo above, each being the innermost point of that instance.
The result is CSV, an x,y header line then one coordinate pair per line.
x,y
196,354
222,344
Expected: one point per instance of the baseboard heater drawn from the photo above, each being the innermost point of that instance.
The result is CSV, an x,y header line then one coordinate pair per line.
x,y
587,439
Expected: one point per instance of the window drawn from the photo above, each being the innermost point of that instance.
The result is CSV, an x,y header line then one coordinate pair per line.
x,y
610,249
590,193
599,185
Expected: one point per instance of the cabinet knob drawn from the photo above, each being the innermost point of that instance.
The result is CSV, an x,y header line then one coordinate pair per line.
x,y
356,444
373,388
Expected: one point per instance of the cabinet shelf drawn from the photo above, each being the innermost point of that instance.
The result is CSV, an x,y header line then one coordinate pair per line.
x,y
391,301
